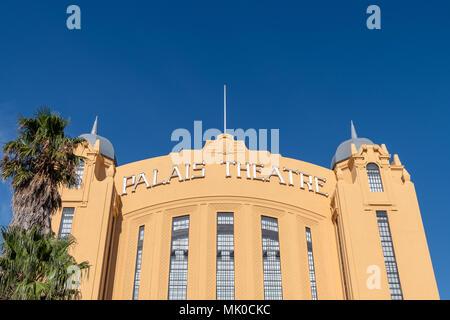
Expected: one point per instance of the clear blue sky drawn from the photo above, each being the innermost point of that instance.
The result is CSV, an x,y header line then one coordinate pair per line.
x,y
305,67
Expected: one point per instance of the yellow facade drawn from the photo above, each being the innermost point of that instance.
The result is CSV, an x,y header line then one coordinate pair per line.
x,y
336,205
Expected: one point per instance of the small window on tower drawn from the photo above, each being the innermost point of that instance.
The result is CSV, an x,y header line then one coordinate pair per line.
x,y
66,223
373,174
389,256
78,176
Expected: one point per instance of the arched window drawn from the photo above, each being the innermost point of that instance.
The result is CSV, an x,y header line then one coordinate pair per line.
x,y
79,176
373,174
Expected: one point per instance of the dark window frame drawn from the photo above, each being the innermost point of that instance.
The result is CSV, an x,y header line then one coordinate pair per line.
x,y
374,178
390,261
64,222
272,276
311,267
138,267
79,173
179,254
225,262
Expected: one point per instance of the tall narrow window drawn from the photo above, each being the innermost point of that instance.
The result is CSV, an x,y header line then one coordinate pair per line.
x,y
66,222
225,256
312,271
179,258
137,272
373,174
78,176
389,256
271,259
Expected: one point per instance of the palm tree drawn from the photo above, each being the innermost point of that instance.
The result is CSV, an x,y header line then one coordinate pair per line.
x,y
37,266
38,162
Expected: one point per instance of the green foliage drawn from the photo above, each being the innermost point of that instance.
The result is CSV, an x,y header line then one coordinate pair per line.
x,y
38,162
37,266
34,264
40,148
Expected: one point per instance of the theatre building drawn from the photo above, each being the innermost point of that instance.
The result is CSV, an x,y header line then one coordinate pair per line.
x,y
226,222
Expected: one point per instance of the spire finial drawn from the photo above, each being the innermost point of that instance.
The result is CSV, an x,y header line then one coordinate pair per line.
x,y
354,135
94,127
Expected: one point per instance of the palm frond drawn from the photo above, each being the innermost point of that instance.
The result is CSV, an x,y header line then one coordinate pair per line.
x,y
38,162
37,266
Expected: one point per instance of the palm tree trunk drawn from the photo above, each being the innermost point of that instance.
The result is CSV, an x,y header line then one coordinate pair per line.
x,y
33,205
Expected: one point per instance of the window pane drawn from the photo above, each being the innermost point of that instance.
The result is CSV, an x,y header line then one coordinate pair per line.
x,y
225,256
312,272
66,222
137,272
179,258
373,174
78,176
389,256
271,259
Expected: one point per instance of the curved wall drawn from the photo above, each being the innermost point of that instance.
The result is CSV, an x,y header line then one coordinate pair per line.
x,y
351,225
220,189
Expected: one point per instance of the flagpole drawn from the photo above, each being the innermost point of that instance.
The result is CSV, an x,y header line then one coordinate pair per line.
x,y
224,108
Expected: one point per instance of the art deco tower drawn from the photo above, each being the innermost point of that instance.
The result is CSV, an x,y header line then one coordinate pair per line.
x,y
90,209
378,224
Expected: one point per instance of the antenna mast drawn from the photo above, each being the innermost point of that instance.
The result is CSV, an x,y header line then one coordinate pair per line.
x,y
224,108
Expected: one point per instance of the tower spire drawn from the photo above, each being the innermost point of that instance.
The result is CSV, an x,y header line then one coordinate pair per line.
x,y
224,109
354,135
94,127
